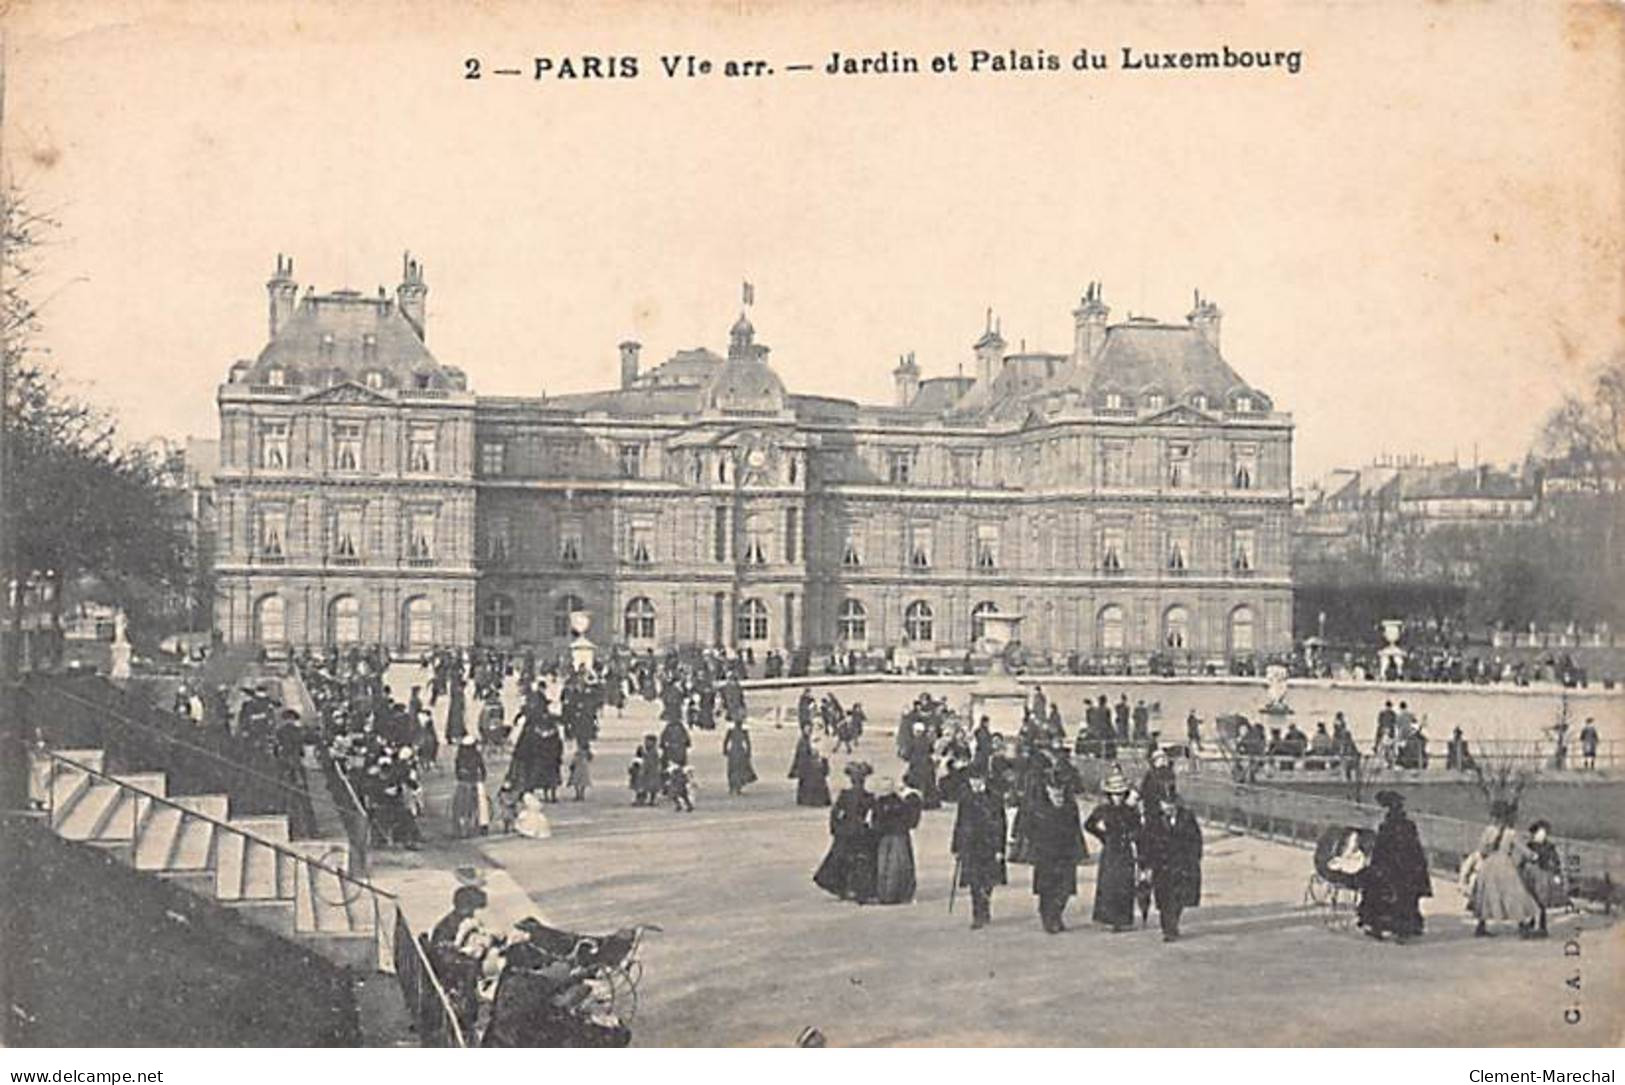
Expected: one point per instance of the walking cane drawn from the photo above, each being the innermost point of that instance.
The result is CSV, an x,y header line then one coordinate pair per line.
x,y
953,887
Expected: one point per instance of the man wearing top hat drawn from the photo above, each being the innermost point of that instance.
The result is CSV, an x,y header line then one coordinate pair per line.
x,y
1056,847
980,830
1171,850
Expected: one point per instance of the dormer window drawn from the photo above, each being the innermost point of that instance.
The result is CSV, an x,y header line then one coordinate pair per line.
x,y
1199,401
374,379
1155,401
421,380
1244,404
276,377
1114,401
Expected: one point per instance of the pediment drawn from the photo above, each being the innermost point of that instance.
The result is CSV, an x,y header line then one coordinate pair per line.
x,y
1180,414
347,392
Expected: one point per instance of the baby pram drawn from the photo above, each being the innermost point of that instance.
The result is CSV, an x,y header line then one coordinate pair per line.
x,y
1341,855
562,989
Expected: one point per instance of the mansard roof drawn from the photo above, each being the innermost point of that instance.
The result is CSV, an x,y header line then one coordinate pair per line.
x,y
1174,359
326,342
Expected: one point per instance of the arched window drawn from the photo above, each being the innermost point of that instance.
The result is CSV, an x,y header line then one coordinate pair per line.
x,y
752,620
419,622
640,619
1176,628
344,625
271,620
566,605
978,615
853,623
1241,631
1109,628
918,626
496,618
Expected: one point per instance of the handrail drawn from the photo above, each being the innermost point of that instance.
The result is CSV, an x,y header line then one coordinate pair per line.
x,y
376,893
159,732
189,812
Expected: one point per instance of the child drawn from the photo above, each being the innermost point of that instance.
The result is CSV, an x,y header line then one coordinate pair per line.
x,y
507,807
581,769
678,780
643,776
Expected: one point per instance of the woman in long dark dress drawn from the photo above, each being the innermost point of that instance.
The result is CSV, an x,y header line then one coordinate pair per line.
x,y
736,749
1117,826
549,760
1396,877
848,869
896,816
468,815
810,770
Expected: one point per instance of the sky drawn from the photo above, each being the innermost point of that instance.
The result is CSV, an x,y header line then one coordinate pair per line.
x,y
1416,241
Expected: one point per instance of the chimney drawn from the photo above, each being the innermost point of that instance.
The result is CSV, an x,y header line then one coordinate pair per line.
x,y
283,291
629,362
1204,317
907,377
412,293
1089,325
989,353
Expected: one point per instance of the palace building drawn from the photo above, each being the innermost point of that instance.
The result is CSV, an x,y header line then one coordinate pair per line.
x,y
1127,498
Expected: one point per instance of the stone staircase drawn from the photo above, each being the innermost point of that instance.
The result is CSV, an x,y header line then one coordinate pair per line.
x,y
299,889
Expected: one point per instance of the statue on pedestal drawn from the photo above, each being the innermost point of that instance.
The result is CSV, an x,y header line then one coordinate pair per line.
x,y
119,669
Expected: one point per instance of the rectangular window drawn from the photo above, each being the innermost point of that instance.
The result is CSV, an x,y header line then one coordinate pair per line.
x,y
347,446
899,467
347,527
1244,467
1243,555
1178,557
495,547
420,449
987,546
640,542
1179,464
631,461
1113,464
758,540
964,465
493,458
719,534
1113,548
273,534
919,547
792,530
274,445
1114,401
570,547
852,551
420,538
565,455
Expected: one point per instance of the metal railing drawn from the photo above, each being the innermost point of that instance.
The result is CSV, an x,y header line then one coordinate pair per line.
x,y
394,942
140,746
432,1010
1299,818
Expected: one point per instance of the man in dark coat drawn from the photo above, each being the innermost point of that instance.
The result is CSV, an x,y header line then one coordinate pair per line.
x,y
1171,849
1055,845
1396,877
980,830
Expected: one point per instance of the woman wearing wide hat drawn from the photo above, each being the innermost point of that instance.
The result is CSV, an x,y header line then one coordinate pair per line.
x,y
848,869
1498,892
1116,825
1396,878
897,814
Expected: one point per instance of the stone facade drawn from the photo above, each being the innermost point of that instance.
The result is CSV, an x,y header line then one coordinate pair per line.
x,y
1130,497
